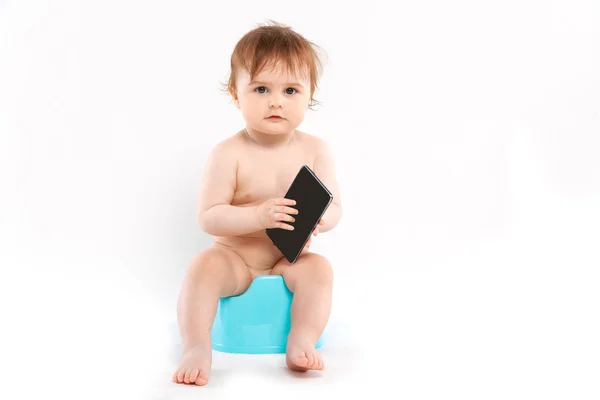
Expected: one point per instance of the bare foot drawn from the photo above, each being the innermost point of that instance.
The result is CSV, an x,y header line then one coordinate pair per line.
x,y
195,365
302,356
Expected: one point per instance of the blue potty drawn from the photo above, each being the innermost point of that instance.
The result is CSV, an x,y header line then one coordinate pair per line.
x,y
256,321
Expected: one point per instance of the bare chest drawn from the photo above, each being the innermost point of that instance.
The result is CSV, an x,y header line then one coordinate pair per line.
x,y
263,175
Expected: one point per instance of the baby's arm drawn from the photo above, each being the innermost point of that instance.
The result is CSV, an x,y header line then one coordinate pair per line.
x,y
324,168
215,213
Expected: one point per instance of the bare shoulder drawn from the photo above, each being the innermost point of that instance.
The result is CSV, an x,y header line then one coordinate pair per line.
x,y
220,175
314,143
227,148
324,164
222,160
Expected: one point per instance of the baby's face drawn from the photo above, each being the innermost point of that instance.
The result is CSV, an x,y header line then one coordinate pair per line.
x,y
273,93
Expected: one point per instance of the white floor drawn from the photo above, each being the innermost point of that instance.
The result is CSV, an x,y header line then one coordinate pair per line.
x,y
512,319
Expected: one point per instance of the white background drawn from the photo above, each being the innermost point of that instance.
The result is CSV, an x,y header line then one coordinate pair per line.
x,y
467,142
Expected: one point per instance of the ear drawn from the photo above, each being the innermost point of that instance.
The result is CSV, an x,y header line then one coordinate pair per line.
x,y
234,96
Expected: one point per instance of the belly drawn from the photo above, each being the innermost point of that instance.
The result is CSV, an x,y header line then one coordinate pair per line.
x,y
258,251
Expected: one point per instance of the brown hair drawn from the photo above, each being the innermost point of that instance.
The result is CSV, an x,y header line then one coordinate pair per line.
x,y
270,44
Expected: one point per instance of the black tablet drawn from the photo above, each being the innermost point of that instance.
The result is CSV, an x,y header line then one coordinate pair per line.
x,y
312,200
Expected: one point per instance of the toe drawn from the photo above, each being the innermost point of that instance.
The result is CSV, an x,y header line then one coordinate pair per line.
x,y
186,376
302,360
181,375
193,375
202,378
316,363
297,362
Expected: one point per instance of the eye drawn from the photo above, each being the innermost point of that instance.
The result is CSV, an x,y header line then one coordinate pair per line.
x,y
290,90
261,89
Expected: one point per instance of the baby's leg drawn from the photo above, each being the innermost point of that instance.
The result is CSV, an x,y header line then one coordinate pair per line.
x,y
311,281
214,273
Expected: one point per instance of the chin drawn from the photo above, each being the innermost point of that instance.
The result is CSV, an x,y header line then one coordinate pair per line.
x,y
276,130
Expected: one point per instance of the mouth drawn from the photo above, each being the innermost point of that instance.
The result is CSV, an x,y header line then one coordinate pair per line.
x,y
275,117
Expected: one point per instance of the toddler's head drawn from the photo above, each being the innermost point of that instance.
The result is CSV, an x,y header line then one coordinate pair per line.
x,y
274,72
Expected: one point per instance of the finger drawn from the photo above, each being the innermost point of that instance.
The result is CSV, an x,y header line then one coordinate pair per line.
x,y
281,225
321,222
284,217
285,202
286,210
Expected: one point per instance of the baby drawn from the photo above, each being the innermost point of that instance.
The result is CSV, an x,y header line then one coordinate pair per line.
x,y
274,74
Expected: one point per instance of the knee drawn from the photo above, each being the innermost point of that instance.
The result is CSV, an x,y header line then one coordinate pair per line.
x,y
207,264
318,269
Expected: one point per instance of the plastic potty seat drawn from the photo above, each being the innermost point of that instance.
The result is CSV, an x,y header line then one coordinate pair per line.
x,y
256,321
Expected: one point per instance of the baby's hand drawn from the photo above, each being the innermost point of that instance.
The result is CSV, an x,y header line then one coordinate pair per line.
x,y
315,233
273,211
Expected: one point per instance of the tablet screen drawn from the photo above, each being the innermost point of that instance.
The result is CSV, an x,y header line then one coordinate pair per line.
x,y
312,199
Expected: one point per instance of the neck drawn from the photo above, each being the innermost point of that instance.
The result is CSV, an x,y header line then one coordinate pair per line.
x,y
266,140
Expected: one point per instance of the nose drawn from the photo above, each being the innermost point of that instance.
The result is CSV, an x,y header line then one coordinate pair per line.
x,y
275,100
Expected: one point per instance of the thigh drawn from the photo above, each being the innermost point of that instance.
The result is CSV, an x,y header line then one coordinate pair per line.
x,y
310,267
223,267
